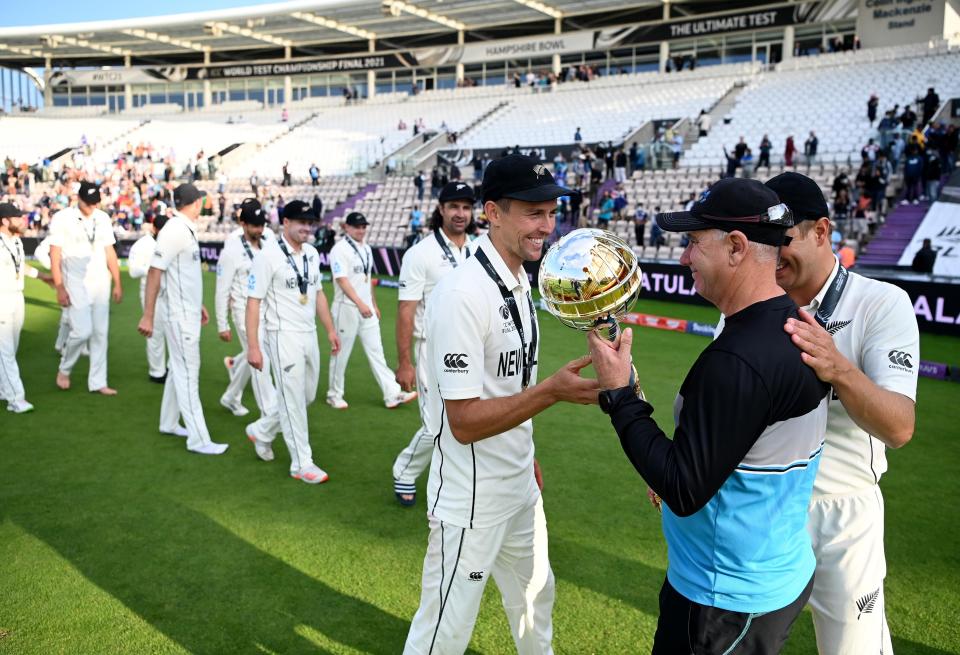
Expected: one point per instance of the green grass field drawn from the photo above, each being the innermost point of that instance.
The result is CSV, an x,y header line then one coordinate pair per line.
x,y
114,539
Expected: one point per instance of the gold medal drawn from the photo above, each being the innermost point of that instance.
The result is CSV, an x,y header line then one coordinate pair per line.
x,y
303,299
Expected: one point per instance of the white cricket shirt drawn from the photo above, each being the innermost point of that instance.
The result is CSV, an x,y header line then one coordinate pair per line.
x,y
139,259
353,261
476,352
274,281
82,241
233,274
874,327
178,255
12,260
422,267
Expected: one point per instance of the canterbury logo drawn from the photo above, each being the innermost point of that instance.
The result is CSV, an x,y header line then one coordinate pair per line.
x,y
540,170
900,358
476,575
835,326
455,360
867,603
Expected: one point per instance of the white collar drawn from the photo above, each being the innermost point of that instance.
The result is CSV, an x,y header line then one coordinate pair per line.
x,y
500,266
818,299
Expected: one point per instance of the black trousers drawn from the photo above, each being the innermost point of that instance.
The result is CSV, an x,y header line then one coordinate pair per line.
x,y
688,628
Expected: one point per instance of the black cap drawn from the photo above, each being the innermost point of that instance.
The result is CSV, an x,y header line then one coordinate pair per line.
x,y
251,212
521,178
9,210
89,193
801,194
456,191
356,219
298,210
187,194
729,205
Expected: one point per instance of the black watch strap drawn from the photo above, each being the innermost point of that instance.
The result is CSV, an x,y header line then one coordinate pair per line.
x,y
610,399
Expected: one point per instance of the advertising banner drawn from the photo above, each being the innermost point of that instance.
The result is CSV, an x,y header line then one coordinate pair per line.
x,y
942,226
898,22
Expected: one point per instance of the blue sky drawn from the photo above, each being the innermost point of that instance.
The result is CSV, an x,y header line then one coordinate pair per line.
x,y
70,11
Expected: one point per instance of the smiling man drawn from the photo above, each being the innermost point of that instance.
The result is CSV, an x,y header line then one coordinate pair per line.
x,y
737,476
485,511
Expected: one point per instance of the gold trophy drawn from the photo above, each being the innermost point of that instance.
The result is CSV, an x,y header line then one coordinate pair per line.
x,y
588,279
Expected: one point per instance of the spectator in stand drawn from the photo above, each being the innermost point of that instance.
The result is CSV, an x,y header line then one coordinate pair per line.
x,y
606,211
477,164
932,171
789,150
633,155
608,160
896,152
314,175
640,218
732,164
810,148
869,151
872,108
882,171
577,137
255,184
575,209
765,148
908,119
841,209
317,206
740,150
619,201
436,182
931,102
656,233
284,115
419,181
287,178
677,147
620,166
925,258
703,123
912,174
847,255
746,164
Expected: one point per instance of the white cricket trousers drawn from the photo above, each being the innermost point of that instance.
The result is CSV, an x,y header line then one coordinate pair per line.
x,y
348,322
11,324
455,571
89,321
295,359
181,391
415,458
156,348
849,611
241,373
63,332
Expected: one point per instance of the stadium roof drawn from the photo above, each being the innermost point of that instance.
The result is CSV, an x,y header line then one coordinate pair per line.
x,y
303,28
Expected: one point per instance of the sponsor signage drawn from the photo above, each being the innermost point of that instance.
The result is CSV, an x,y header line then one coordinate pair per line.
x,y
942,226
707,26
116,76
898,22
303,67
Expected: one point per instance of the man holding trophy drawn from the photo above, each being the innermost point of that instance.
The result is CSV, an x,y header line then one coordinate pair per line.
x,y
485,510
737,476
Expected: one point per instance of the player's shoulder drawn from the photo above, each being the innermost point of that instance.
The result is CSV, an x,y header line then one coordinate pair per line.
x,y
310,251
876,297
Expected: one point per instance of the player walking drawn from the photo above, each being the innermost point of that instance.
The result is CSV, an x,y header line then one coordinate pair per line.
x,y
284,287
485,511
176,267
859,335
138,263
13,270
84,262
355,312
423,266
233,273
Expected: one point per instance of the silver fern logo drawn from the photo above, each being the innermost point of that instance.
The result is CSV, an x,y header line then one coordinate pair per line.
x,y
867,603
835,326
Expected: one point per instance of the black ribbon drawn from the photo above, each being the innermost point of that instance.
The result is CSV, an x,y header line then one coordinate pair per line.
x,y
90,237
832,298
246,246
511,302
366,262
16,261
301,280
446,249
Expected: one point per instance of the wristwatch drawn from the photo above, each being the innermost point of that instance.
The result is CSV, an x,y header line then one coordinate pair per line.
x,y
611,398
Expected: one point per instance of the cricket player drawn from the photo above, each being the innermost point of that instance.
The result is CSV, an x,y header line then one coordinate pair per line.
x,y
138,265
42,255
233,273
284,288
485,510
859,335
355,312
423,266
13,270
84,263
176,267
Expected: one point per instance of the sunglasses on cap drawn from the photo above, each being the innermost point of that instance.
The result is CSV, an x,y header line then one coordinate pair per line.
x,y
778,215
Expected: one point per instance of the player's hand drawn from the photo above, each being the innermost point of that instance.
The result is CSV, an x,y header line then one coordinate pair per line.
x,y
117,293
406,376
254,357
817,349
145,327
63,298
376,310
48,278
226,336
365,311
334,343
654,499
538,474
611,361
204,316
569,386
